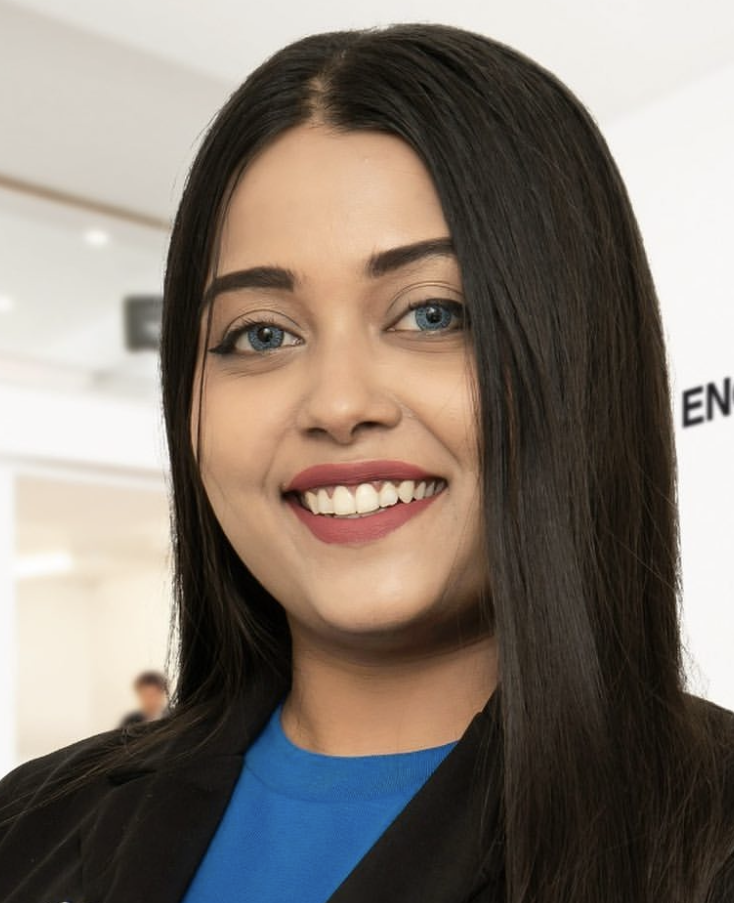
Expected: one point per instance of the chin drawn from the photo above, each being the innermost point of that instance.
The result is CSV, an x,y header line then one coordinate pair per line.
x,y
362,619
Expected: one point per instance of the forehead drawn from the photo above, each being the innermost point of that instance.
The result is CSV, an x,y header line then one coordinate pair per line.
x,y
315,197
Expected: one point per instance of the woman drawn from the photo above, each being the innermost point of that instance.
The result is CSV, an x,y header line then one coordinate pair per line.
x,y
424,519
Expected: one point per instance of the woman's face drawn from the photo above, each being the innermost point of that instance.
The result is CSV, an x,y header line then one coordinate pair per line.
x,y
318,360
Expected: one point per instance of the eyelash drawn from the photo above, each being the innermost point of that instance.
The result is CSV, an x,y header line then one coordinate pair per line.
x,y
227,345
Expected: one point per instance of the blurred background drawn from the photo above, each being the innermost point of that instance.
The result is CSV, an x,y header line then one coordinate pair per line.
x,y
102,108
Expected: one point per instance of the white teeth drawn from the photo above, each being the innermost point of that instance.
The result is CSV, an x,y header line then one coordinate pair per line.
x,y
326,506
344,502
312,502
364,499
405,491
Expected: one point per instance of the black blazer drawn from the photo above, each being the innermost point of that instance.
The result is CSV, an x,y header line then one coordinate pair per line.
x,y
138,833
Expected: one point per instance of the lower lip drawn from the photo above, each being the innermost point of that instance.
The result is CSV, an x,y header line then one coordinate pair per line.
x,y
359,529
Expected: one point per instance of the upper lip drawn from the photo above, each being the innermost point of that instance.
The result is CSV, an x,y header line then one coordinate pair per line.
x,y
355,473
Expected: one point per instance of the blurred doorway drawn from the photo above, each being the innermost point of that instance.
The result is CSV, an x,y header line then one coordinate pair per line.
x,y
92,602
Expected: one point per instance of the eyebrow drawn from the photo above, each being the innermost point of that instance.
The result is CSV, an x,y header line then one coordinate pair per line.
x,y
379,264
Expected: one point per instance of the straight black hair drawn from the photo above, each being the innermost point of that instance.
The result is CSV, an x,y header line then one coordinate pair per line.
x,y
613,774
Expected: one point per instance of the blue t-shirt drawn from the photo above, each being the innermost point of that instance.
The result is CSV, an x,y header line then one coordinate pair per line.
x,y
298,821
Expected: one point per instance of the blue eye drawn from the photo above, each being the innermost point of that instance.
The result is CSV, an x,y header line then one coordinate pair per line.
x,y
260,335
264,336
437,316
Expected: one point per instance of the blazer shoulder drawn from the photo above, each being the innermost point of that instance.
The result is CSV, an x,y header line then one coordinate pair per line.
x,y
28,782
714,709
720,721
719,726
718,718
44,805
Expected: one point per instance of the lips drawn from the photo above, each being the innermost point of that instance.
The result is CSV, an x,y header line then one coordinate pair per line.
x,y
352,474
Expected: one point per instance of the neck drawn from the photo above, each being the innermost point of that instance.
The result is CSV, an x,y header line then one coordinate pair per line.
x,y
350,705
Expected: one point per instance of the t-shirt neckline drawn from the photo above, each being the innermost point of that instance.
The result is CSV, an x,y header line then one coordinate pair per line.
x,y
304,774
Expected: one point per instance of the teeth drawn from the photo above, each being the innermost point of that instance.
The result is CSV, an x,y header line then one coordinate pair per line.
x,y
405,491
312,501
344,502
326,506
366,498
388,496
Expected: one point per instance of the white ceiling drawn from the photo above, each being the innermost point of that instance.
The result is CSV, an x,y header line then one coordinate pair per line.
x,y
109,101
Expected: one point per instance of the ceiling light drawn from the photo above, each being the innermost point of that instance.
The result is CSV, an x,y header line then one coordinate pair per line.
x,y
96,237
6,304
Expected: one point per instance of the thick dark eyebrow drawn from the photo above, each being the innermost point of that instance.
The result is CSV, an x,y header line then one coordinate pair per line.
x,y
255,277
379,264
386,261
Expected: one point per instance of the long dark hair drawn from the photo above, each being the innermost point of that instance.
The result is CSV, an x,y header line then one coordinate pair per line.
x,y
612,772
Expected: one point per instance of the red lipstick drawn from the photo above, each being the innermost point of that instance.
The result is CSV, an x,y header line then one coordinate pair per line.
x,y
353,474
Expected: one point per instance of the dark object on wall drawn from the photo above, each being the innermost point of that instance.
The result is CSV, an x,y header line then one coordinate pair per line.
x,y
142,321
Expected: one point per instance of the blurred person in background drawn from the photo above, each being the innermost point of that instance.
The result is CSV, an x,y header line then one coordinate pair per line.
x,y
151,689
423,475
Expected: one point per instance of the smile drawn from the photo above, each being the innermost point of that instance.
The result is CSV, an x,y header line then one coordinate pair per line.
x,y
362,513
367,498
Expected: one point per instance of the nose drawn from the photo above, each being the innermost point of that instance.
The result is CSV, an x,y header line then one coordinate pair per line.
x,y
348,390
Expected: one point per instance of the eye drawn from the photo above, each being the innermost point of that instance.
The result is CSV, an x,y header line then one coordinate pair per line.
x,y
435,315
254,337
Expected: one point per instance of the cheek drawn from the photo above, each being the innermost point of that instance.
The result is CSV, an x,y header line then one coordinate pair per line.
x,y
442,399
241,428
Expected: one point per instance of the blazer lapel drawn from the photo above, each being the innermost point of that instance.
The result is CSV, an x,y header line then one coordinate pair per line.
x,y
153,825
439,849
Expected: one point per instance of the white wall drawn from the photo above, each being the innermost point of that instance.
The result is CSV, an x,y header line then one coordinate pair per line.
x,y
79,428
676,159
54,674
8,645
82,643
